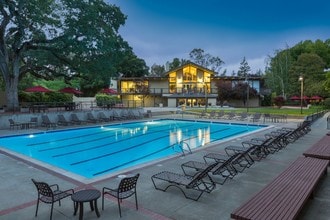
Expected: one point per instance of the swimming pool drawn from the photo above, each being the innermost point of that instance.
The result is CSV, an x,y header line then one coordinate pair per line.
x,y
96,151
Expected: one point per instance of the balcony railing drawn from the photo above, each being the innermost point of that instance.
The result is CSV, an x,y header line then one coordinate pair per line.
x,y
169,91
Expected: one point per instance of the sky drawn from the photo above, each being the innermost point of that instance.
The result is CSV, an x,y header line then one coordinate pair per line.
x,y
161,30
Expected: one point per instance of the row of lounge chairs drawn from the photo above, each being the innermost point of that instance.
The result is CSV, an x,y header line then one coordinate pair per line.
x,y
223,166
242,116
100,117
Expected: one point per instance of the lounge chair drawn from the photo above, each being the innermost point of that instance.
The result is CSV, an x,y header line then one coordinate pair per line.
x,y
238,161
230,115
76,120
50,194
212,114
62,120
242,116
221,114
91,118
256,117
45,122
203,114
117,116
14,124
253,150
125,189
102,117
223,169
201,182
33,123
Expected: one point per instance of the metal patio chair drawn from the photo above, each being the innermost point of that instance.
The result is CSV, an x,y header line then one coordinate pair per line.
x,y
125,189
50,194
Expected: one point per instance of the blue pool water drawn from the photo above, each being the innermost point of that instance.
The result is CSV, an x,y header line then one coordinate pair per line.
x,y
95,151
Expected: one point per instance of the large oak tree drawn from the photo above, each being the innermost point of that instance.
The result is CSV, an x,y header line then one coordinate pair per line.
x,y
51,38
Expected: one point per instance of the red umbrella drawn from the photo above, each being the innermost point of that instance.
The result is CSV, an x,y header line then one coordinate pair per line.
x,y
70,90
37,89
305,97
294,98
316,97
108,91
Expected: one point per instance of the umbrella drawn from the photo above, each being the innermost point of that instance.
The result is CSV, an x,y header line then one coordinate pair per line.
x,y
37,89
305,97
316,97
70,90
294,98
109,91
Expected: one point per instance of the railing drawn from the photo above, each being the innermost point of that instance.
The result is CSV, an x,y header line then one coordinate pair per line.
x,y
168,91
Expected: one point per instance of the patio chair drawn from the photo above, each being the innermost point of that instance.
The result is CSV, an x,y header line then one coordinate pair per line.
x,y
76,120
33,123
62,120
14,124
201,182
91,118
125,189
102,117
50,194
45,122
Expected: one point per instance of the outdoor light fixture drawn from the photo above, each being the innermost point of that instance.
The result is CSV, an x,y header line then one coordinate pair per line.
x,y
301,79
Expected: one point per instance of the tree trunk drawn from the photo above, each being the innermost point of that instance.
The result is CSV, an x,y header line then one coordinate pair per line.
x,y
11,87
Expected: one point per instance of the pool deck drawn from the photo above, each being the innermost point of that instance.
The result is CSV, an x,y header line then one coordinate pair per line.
x,y
18,194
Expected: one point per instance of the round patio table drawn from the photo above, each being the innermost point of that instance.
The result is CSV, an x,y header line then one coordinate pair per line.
x,y
87,195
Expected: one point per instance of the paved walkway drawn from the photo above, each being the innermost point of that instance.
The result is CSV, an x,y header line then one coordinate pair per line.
x,y
18,194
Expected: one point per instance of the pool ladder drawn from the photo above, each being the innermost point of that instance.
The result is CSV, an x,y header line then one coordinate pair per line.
x,y
181,145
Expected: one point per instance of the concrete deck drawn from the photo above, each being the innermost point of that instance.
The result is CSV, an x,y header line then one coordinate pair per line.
x,y
18,194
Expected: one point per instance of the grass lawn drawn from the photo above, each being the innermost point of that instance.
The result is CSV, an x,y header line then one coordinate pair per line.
x,y
270,110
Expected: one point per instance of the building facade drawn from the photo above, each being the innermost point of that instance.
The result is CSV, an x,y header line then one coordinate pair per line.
x,y
190,85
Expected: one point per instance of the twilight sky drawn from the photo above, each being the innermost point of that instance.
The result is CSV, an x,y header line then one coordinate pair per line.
x,y
160,30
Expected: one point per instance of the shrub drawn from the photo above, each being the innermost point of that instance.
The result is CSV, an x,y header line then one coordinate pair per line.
x,y
279,101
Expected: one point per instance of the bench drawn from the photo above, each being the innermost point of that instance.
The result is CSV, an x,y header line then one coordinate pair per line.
x,y
320,149
284,196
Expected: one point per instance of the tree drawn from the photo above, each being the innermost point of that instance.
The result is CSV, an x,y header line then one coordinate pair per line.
x,y
240,91
206,60
176,63
311,67
157,70
224,90
51,38
244,69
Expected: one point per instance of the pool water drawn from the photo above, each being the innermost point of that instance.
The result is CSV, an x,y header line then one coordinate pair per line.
x,y
95,151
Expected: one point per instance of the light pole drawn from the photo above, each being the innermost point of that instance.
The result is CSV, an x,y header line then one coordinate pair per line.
x,y
247,92
301,79
206,104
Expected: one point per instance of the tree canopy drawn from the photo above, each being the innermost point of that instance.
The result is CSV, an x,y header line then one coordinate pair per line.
x,y
61,38
308,59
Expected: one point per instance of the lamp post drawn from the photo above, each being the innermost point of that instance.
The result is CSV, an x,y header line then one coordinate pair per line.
x,y
206,104
301,79
247,92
